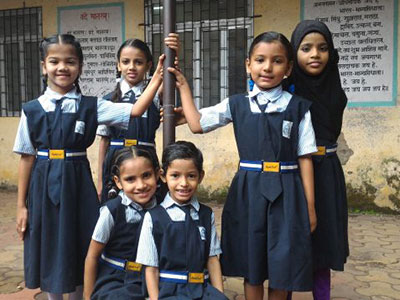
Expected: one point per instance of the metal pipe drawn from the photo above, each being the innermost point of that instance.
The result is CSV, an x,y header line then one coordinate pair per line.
x,y
168,78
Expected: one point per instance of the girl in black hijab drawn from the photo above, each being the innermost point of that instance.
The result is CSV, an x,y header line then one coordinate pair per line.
x,y
315,76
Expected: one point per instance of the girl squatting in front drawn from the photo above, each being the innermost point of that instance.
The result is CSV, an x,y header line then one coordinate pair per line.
x,y
135,172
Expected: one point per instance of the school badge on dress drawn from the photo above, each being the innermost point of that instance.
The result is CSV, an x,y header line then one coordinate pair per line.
x,y
80,127
202,231
286,128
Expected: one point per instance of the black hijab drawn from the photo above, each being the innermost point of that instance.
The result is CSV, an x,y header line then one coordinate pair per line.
x,y
324,90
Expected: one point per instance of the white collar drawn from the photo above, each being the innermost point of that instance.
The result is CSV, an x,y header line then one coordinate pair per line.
x,y
168,202
136,89
128,201
271,95
54,96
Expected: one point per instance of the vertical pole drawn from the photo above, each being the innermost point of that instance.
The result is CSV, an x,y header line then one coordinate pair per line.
x,y
168,78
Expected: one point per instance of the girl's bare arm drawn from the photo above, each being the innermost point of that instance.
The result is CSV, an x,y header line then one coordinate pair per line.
x,y
152,278
24,174
307,177
104,143
149,93
91,261
191,113
214,269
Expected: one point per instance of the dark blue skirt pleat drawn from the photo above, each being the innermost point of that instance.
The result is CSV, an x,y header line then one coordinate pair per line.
x,y
330,239
59,234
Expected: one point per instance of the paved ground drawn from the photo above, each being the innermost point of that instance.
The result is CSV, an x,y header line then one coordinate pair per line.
x,y
372,272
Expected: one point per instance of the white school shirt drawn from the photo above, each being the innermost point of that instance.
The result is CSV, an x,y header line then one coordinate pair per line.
x,y
103,130
105,223
277,100
116,114
147,253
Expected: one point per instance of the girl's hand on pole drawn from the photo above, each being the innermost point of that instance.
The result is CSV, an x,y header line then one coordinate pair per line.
x,y
144,101
192,115
158,73
172,41
179,116
176,63
180,79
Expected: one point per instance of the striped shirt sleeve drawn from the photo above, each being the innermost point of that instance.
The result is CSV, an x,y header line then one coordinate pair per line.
x,y
215,116
307,143
113,114
104,226
215,247
147,252
102,130
23,143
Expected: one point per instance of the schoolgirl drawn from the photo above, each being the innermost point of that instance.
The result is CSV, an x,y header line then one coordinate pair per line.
x,y
316,77
269,213
57,203
135,172
178,241
134,62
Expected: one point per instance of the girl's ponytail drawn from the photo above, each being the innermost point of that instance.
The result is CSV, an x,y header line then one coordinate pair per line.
x,y
44,80
111,186
76,83
117,94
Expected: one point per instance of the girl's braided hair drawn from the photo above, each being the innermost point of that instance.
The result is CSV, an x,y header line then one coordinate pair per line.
x,y
61,39
127,153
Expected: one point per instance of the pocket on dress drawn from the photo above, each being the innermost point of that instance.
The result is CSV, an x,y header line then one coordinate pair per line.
x,y
80,127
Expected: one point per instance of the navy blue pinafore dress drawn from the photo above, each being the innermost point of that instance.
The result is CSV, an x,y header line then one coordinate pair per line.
x,y
181,247
113,282
265,224
330,238
142,129
330,193
62,203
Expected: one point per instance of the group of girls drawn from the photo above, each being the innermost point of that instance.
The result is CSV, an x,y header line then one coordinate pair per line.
x,y
275,225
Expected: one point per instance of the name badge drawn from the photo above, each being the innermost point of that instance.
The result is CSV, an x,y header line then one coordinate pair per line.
x,y
80,127
130,143
196,278
56,154
271,167
202,231
133,266
286,128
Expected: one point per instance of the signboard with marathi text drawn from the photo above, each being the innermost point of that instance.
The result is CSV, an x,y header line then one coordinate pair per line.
x,y
365,35
100,31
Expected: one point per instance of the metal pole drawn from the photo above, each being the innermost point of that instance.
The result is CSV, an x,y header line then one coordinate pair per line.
x,y
169,79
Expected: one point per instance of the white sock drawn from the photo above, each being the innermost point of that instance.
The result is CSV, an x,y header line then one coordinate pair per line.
x,y
78,294
52,296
